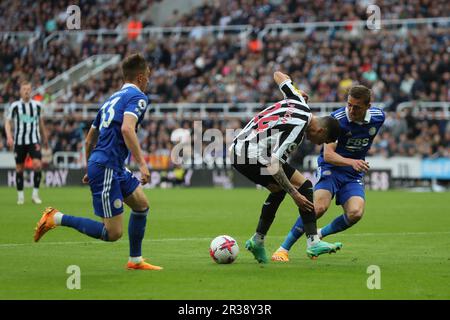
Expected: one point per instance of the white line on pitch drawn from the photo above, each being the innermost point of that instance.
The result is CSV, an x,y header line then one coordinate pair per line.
x,y
7,245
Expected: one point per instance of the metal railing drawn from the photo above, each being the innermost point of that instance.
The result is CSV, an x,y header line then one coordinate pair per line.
x,y
69,160
237,110
275,29
25,38
181,110
244,30
441,107
159,32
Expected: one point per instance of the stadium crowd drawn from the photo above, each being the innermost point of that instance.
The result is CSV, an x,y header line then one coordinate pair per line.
x,y
39,60
255,12
398,65
48,16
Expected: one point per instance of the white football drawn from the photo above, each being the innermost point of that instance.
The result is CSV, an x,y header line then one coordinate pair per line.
x,y
224,249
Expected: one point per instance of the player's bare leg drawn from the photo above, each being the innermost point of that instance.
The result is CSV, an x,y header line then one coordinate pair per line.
x,y
114,227
315,246
19,183
353,212
322,200
138,202
37,166
354,208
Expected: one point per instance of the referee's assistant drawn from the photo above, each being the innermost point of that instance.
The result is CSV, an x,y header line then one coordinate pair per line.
x,y
25,116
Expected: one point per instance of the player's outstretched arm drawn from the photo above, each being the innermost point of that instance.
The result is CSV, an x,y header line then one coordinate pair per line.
x,y
132,142
276,170
332,157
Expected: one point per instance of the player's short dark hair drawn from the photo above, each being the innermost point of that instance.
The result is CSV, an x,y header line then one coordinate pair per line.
x,y
331,125
360,92
132,66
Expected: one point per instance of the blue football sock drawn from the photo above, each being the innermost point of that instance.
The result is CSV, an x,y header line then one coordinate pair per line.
x,y
87,226
337,225
293,235
136,231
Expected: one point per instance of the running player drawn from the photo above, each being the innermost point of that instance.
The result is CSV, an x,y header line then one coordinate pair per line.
x,y
260,152
341,168
108,144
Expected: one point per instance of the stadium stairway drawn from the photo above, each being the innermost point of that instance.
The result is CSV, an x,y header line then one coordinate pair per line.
x,y
78,74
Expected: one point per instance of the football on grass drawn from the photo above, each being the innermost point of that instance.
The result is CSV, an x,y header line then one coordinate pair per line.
x,y
224,249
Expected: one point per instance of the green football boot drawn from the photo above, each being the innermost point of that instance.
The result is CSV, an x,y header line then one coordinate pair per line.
x,y
258,251
322,247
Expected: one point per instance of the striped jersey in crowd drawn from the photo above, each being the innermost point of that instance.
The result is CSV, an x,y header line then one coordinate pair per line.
x,y
277,130
26,117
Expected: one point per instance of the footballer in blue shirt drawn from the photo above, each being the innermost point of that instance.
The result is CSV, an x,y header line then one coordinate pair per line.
x,y
109,142
341,168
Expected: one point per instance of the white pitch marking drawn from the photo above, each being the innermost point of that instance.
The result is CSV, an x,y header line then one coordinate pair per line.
x,y
8,245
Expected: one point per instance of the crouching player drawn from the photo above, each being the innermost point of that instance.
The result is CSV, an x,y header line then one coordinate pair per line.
x,y
341,168
260,152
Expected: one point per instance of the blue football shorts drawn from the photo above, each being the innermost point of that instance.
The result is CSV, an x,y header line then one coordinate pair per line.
x,y
340,184
109,187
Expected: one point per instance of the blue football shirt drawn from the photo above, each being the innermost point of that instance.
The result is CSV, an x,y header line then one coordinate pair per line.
x,y
111,150
355,138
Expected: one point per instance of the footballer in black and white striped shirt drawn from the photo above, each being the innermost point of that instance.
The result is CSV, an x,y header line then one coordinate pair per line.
x,y
260,152
25,116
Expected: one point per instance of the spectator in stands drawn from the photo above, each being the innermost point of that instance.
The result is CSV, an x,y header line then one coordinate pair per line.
x,y
134,28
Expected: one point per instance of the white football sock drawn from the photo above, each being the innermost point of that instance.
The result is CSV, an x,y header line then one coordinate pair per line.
x,y
312,240
319,233
20,194
135,259
35,192
57,218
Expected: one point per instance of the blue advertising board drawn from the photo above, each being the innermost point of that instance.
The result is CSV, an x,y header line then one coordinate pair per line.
x,y
436,168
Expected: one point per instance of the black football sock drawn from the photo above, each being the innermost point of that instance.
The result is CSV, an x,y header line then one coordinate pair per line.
x,y
37,179
268,211
309,218
19,181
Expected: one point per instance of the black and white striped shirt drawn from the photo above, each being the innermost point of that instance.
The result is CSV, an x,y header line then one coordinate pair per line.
x,y
277,130
25,117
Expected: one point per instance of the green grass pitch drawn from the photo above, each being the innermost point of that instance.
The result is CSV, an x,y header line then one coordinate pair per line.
x,y
405,234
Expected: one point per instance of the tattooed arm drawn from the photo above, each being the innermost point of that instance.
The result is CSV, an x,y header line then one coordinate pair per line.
x,y
276,170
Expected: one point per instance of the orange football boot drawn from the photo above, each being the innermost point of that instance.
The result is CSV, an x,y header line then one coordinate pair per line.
x,y
45,224
280,256
142,266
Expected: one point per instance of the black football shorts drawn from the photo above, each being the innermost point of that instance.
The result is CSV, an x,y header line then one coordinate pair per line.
x,y
258,173
21,151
